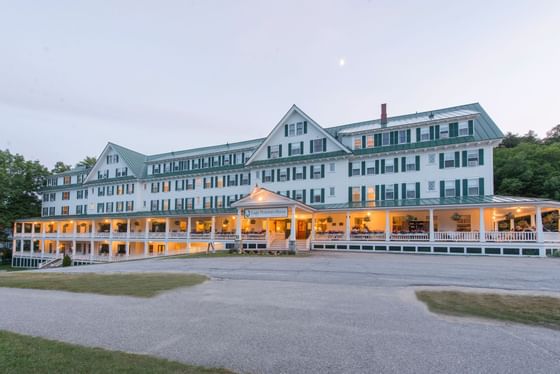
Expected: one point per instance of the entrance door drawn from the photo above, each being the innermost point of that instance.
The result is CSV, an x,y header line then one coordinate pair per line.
x,y
301,232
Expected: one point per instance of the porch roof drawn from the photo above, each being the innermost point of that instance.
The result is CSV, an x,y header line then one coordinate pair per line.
x,y
264,198
486,201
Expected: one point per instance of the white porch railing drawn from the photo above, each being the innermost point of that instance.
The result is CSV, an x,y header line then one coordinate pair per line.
x,y
551,237
407,236
137,235
177,235
253,236
457,236
511,236
119,235
102,235
225,236
200,236
377,236
156,235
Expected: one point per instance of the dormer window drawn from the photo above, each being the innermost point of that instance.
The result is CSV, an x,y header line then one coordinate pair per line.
x,y
424,134
274,151
463,129
444,131
385,138
295,129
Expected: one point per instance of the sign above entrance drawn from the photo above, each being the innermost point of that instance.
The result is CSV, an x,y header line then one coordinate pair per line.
x,y
266,213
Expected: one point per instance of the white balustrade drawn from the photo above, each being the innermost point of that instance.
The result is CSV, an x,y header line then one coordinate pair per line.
x,y
329,236
177,235
156,235
200,235
377,236
511,236
253,236
457,236
407,236
551,236
225,236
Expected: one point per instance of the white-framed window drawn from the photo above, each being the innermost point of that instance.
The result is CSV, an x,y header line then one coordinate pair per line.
x,y
331,191
219,182
120,206
389,192
370,193
431,186
370,167
299,173
356,168
226,160
316,172
318,146
109,207
369,141
332,167
385,138
283,175
463,128
207,202
444,131
244,179
130,206
449,160
66,195
473,187
432,158
296,149
299,195
390,166
316,198
65,210
424,134
410,163
219,203
189,204
299,128
274,151
267,177
450,188
166,186
472,157
402,136
100,208
411,190
358,142
356,193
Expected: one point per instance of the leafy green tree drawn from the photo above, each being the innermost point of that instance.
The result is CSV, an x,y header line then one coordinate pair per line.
x,y
20,183
88,162
510,140
60,167
553,136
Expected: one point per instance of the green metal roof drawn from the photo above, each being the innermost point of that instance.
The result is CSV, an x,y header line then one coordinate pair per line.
x,y
313,156
444,201
135,160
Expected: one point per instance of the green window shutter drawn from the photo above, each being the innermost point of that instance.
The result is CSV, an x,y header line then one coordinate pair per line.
x,y
392,138
403,190
249,179
324,144
396,163
285,130
304,172
322,170
441,188
262,179
268,151
294,194
417,190
453,130
441,156
322,195
301,147
349,194
280,150
376,166
272,174
408,136
471,127
481,156
436,130
377,192
396,189
363,141
383,166
363,168
377,140
432,133
311,195
481,186
363,193
457,187
288,173
289,149
349,169
417,159
465,187
464,154
403,164
311,171
305,127
417,134
382,192
311,146
457,159
294,172
278,175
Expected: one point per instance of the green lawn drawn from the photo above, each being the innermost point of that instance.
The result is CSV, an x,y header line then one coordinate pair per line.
x,y
8,267
130,284
531,310
28,354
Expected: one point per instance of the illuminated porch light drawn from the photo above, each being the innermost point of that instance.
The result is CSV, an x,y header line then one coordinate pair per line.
x,y
518,210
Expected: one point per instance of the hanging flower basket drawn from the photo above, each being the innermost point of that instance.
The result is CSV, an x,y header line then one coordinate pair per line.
x,y
253,221
329,219
456,216
226,221
367,219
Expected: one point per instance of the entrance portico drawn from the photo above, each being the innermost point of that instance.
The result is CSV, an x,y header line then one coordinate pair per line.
x,y
272,221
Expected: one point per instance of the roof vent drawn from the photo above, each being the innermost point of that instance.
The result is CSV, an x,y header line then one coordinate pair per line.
x,y
431,116
383,115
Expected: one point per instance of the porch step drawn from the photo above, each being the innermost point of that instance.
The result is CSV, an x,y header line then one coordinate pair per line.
x,y
278,244
302,245
54,263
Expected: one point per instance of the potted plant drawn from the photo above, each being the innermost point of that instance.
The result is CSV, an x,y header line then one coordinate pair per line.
x,y
456,216
226,222
253,221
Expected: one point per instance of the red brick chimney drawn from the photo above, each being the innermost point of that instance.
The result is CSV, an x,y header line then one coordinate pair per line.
x,y
383,115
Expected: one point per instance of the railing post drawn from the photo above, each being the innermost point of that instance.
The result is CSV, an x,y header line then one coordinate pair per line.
x,y
347,227
387,226
482,228
432,234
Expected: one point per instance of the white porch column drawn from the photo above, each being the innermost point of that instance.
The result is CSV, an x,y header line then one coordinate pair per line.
x,y
74,233
31,248
238,224
189,221
110,238
267,233
293,225
146,237
482,224
127,244
213,228
538,218
21,242
347,231
57,238
313,219
43,235
432,234
92,240
387,227
166,236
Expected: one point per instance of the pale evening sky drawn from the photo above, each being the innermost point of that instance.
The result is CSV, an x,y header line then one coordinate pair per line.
x,y
157,76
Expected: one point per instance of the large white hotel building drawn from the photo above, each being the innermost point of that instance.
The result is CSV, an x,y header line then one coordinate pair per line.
x,y
419,183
